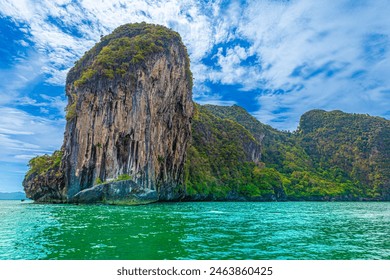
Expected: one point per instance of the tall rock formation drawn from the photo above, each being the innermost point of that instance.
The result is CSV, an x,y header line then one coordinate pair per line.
x,y
129,113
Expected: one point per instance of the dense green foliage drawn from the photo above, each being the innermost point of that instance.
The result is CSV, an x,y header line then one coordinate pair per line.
x,y
39,165
98,181
279,149
220,161
126,46
121,177
355,146
332,156
71,108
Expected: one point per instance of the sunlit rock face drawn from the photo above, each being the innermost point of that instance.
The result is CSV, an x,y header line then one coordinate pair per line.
x,y
129,113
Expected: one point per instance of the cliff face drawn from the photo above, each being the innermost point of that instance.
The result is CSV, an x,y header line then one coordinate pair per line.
x,y
129,112
134,121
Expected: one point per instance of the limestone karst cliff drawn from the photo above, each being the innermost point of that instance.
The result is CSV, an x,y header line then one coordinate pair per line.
x,y
128,115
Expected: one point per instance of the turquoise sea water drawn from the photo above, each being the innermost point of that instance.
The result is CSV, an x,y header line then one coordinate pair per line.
x,y
209,230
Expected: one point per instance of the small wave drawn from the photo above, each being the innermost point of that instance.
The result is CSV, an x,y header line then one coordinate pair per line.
x,y
100,246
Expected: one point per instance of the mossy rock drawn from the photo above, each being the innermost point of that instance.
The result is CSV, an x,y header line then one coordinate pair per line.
x,y
127,46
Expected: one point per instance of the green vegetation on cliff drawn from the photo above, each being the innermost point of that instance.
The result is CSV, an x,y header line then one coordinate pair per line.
x,y
39,165
71,108
45,174
125,47
333,155
355,147
223,161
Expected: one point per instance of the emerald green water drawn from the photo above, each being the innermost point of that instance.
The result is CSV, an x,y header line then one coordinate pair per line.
x,y
210,230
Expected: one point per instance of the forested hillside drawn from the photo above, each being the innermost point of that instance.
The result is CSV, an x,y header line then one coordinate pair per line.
x,y
332,156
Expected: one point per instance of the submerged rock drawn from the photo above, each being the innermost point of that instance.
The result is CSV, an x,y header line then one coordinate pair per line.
x,y
125,192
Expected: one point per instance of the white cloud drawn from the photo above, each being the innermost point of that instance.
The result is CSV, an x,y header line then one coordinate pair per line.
x,y
231,71
56,102
14,80
23,43
207,97
216,101
23,135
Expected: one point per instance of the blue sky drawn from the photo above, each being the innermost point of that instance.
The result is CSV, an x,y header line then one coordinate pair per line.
x,y
277,59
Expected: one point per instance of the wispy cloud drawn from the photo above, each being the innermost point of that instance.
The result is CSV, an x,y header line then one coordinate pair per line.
x,y
25,72
23,135
208,97
47,102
